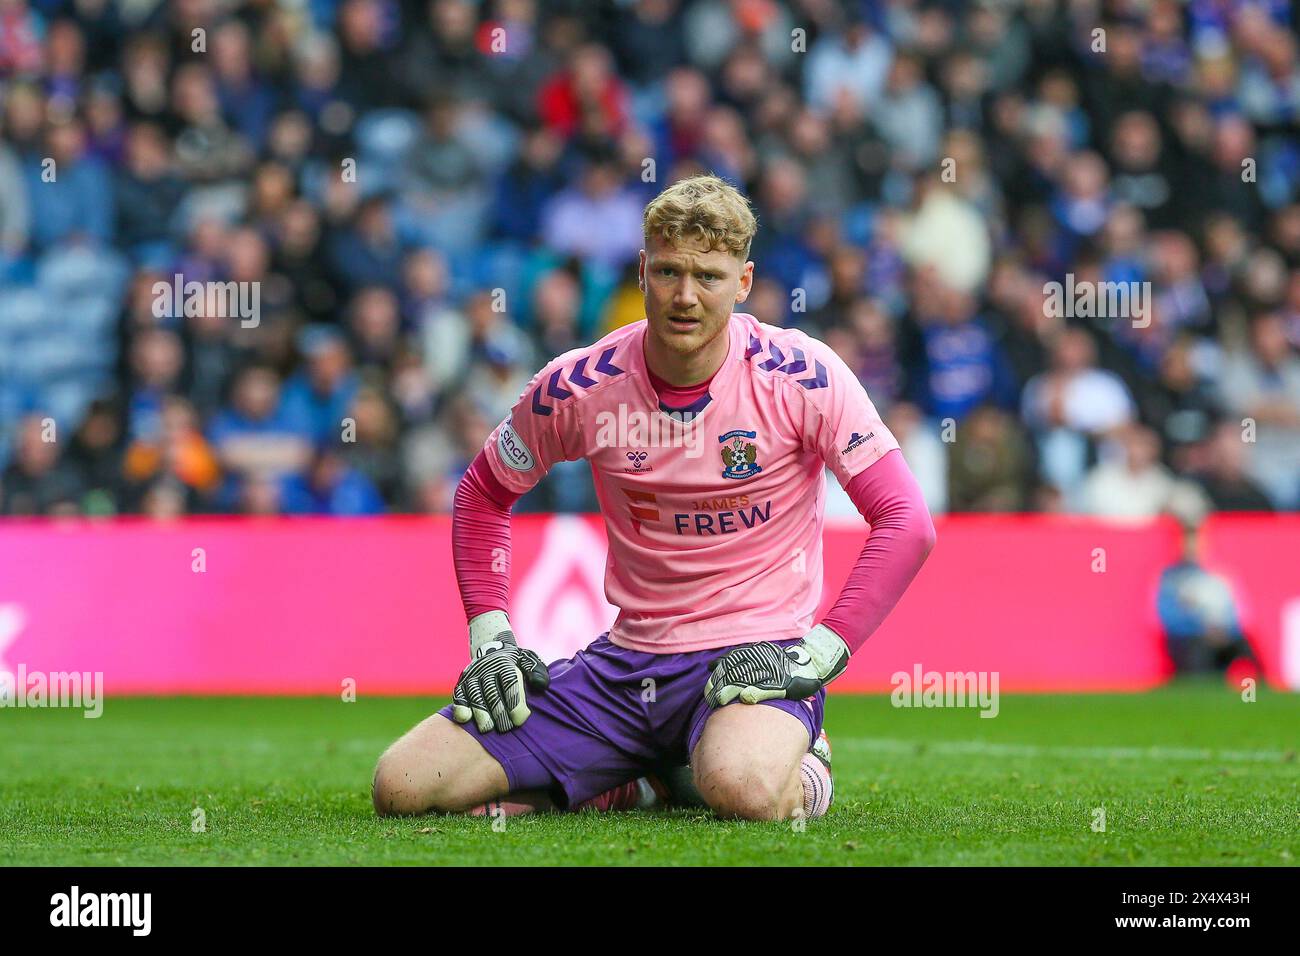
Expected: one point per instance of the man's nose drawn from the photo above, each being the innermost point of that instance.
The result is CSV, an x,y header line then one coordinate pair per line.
x,y
684,296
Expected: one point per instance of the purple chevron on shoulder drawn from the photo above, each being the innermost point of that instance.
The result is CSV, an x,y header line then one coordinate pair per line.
x,y
554,389
604,365
795,365
538,407
579,374
820,380
755,346
777,357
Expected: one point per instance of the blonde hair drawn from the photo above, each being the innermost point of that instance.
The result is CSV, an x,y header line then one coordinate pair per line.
x,y
703,208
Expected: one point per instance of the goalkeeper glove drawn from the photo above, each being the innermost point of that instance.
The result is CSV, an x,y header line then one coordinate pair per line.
x,y
767,671
491,688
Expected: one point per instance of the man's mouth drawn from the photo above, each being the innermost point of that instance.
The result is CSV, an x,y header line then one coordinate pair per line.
x,y
682,323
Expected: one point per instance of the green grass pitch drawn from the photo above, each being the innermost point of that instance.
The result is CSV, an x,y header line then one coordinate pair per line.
x,y
1189,774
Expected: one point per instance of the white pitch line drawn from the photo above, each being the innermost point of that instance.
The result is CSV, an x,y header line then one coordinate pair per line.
x,y
977,748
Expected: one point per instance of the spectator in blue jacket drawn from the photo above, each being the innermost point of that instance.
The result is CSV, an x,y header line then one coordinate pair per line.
x,y
69,192
330,487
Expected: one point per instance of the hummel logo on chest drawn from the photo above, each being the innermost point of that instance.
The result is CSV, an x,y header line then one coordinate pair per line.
x,y
638,463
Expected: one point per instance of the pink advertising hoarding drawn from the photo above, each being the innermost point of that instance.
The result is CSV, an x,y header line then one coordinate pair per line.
x,y
297,606
1259,555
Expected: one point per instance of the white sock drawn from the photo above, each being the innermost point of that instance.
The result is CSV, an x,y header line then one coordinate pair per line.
x,y
817,786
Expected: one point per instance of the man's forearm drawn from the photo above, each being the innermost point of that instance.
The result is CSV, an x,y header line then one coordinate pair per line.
x,y
480,537
902,534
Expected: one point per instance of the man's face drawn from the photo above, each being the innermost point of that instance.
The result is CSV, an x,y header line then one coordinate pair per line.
x,y
689,292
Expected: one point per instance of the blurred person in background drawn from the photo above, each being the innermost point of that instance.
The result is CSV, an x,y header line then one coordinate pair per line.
x,y
1182,402
945,237
167,499
598,219
956,364
908,114
1223,474
367,251
445,187
256,438
1262,382
330,486
322,392
425,282
557,299
212,357
15,211
260,495
1131,481
176,453
375,329
81,208
1200,617
1141,178
39,480
854,60
373,451
208,151
96,452
245,97
523,191
148,192
877,362
586,99
157,361
989,464
772,299
782,205
497,377
846,272
1071,405
301,257
458,343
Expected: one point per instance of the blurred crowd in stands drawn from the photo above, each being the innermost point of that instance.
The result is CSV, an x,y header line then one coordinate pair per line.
x,y
435,198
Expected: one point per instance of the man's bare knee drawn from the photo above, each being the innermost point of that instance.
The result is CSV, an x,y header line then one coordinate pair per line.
x,y
387,789
436,766
396,792
734,792
746,762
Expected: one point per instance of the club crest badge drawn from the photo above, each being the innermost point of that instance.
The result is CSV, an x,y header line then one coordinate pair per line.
x,y
739,457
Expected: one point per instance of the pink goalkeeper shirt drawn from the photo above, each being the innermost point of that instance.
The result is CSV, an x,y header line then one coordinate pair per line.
x,y
714,518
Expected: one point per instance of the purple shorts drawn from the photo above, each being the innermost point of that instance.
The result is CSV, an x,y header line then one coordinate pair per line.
x,y
612,715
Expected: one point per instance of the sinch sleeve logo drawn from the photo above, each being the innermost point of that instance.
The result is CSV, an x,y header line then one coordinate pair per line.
x,y
513,451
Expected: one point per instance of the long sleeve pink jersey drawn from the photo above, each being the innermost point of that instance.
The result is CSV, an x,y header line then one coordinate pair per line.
x,y
714,514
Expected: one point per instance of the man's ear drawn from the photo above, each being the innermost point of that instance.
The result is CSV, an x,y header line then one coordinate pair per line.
x,y
640,271
746,282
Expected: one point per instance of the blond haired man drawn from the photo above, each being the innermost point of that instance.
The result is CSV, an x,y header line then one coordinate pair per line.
x,y
708,433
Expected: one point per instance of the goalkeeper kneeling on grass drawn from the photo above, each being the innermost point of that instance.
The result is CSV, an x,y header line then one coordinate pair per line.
x,y
715,557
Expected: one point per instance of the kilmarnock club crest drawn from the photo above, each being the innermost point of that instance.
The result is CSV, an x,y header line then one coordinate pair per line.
x,y
739,459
